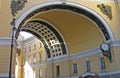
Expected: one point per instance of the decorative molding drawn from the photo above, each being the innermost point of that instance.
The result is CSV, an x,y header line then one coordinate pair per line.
x,y
88,73
30,41
105,9
109,73
38,65
102,0
77,55
68,77
116,43
6,75
6,41
69,6
82,54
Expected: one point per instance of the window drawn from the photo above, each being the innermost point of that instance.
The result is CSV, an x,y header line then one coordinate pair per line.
x,y
25,50
40,45
88,69
40,57
74,68
34,58
34,46
40,73
57,71
102,61
29,59
29,48
34,74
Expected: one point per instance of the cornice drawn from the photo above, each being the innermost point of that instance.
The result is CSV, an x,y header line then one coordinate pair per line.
x,y
116,43
82,54
102,0
6,41
6,75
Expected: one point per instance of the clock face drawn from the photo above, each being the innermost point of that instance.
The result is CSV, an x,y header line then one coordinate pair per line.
x,y
105,47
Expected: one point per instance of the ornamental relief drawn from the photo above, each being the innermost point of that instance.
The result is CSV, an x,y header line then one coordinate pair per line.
x,y
106,10
17,5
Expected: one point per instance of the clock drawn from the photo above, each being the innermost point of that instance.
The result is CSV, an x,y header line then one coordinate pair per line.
x,y
105,47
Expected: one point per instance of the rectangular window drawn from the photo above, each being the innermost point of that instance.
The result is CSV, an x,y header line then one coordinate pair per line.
x,y
29,59
88,69
57,71
25,50
34,46
40,45
34,58
40,73
102,63
75,68
29,48
40,57
34,74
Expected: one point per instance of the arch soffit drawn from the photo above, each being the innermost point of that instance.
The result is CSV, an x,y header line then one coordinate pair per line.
x,y
43,30
29,11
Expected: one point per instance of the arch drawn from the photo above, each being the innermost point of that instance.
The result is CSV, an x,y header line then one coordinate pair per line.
x,y
89,75
101,23
51,39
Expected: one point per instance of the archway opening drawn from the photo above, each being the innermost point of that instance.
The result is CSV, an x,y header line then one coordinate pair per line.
x,y
67,36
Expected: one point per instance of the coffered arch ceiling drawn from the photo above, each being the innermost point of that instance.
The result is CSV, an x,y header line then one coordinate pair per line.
x,y
79,29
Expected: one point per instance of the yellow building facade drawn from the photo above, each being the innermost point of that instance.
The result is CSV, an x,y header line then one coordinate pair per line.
x,y
35,57
79,38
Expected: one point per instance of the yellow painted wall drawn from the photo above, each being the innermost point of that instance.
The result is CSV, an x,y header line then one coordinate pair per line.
x,y
81,65
4,59
50,70
65,68
36,66
5,19
78,32
115,64
114,23
95,63
43,68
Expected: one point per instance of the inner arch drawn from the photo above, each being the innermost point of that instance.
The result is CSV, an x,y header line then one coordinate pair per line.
x,y
51,39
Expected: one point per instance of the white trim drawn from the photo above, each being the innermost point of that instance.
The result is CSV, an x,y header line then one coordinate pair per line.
x,y
6,75
22,17
86,53
82,54
116,43
109,73
88,73
93,74
102,0
68,77
97,15
4,41
77,55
